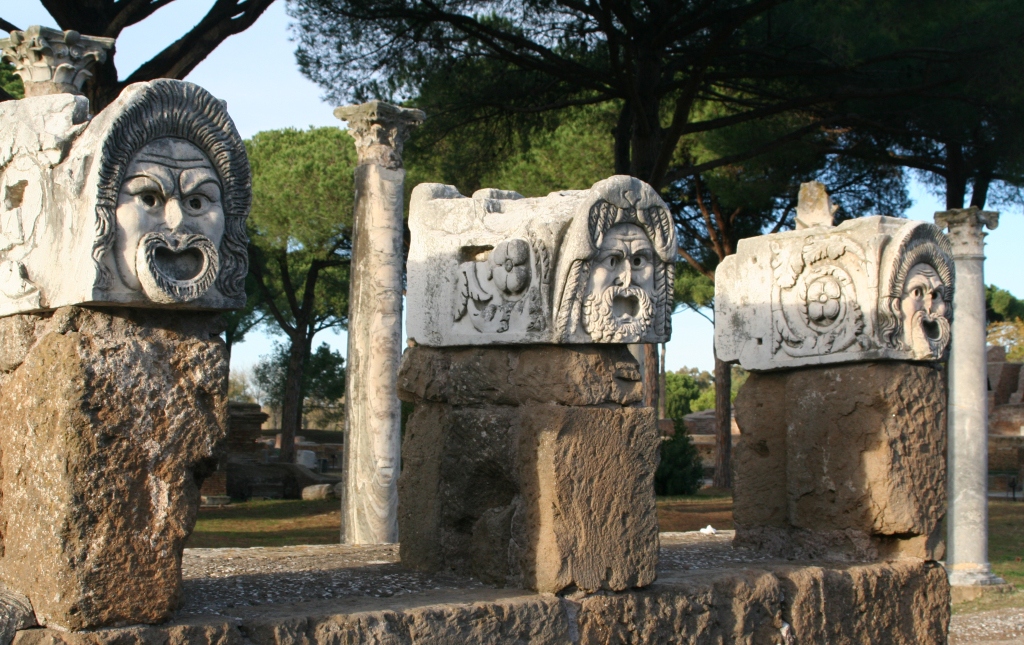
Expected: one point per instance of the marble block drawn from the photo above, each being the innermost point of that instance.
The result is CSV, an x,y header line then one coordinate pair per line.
x,y
582,266
143,204
869,289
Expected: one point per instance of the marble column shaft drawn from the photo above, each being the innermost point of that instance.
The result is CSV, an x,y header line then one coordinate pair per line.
x,y
372,409
967,546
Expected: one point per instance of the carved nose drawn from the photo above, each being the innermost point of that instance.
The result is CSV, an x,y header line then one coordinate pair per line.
x,y
625,276
173,214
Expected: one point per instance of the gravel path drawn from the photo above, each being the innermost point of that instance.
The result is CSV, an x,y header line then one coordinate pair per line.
x,y
996,627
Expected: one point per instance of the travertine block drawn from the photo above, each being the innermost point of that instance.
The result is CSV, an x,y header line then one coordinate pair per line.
x,y
517,482
144,204
107,421
871,288
582,266
847,461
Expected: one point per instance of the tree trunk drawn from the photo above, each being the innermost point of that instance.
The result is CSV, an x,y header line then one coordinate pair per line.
x,y
661,384
979,194
291,407
956,176
651,375
723,424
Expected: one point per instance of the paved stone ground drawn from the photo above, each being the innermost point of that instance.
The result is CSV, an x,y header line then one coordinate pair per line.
x,y
996,627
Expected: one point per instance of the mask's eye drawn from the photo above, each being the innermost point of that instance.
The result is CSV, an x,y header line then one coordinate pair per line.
x,y
917,292
149,199
195,202
612,261
638,261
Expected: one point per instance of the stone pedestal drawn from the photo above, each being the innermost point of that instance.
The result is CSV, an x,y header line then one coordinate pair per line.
x,y
846,462
967,563
108,422
529,466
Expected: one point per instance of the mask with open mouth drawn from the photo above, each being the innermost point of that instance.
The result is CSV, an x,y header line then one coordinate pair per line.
x,y
176,268
618,315
929,335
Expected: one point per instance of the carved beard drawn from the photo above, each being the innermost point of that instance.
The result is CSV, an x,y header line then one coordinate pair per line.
x,y
630,326
176,268
929,335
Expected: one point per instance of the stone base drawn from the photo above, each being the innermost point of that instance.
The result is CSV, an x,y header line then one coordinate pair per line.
x,y
108,423
546,480
966,593
843,462
706,593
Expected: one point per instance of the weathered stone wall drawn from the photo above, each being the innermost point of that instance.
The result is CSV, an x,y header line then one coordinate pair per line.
x,y
845,462
529,465
108,422
896,603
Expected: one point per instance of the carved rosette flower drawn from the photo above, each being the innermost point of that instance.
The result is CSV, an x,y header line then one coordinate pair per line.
x,y
511,268
823,301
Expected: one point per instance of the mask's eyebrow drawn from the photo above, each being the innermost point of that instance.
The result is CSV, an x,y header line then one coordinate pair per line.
x,y
142,180
193,179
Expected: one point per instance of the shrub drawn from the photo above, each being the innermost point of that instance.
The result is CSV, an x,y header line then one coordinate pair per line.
x,y
680,471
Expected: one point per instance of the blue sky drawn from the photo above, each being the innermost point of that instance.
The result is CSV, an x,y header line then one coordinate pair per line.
x,y
255,72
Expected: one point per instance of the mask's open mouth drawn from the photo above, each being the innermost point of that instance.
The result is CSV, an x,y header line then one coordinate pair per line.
x,y
625,306
181,266
931,329
176,268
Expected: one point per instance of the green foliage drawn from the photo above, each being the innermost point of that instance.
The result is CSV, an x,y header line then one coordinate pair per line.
x,y
682,388
680,471
1005,314
1001,305
693,289
704,396
9,82
302,190
323,377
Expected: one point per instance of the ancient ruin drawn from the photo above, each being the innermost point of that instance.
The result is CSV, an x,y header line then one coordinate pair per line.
x,y
121,236
873,288
579,266
967,560
372,415
842,458
548,290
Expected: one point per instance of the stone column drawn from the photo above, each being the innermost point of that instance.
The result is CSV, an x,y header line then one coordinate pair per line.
x,y
967,556
50,61
373,413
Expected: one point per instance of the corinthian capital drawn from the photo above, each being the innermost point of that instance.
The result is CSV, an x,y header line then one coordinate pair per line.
x,y
966,229
380,131
51,61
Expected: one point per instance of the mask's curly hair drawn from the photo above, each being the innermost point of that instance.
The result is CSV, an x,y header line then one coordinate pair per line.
x,y
178,109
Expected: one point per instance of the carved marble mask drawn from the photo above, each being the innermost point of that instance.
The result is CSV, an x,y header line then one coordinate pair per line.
x,y
923,311
170,222
617,306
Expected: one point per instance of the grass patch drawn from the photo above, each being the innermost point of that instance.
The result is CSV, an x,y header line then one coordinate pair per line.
x,y
268,523
692,512
1006,540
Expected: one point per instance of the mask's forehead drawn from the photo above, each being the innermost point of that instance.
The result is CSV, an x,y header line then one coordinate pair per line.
x,y
176,153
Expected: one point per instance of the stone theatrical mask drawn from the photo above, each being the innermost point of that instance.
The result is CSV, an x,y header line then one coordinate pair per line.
x,y
143,204
589,266
873,288
170,222
617,306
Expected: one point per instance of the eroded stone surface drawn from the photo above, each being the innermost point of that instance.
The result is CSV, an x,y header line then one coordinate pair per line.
x,y
583,266
144,203
524,466
846,461
871,288
526,374
106,423
707,592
